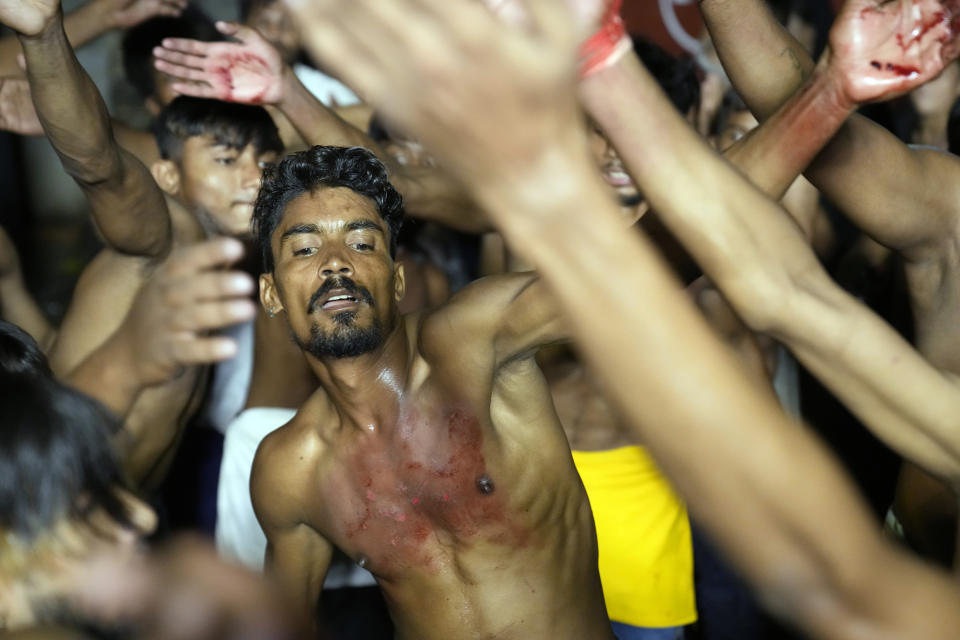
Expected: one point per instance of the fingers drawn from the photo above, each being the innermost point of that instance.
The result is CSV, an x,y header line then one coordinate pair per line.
x,y
205,286
186,45
180,71
206,316
207,255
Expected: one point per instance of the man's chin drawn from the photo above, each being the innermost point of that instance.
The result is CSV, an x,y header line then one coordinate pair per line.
x,y
346,340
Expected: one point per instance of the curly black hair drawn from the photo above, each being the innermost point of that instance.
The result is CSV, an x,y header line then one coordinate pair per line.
x,y
322,167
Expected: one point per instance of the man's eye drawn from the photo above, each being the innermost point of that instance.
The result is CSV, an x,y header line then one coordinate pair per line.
x,y
362,246
263,164
306,251
225,160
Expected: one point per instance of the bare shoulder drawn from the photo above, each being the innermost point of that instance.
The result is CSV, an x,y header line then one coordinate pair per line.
x,y
285,462
478,306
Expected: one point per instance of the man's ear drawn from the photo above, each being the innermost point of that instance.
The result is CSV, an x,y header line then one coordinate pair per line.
x,y
167,175
269,296
399,282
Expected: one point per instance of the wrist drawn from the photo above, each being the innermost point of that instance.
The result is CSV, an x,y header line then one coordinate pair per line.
x,y
827,80
608,44
290,89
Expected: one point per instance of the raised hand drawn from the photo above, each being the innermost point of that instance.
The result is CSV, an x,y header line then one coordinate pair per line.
x,y
130,13
879,50
248,71
17,114
28,17
186,298
452,75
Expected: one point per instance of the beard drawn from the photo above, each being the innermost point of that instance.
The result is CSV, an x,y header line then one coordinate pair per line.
x,y
346,339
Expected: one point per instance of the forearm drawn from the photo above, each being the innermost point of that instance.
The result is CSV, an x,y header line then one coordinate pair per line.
x,y
869,174
764,62
766,270
89,22
737,235
774,154
126,203
64,95
317,124
18,307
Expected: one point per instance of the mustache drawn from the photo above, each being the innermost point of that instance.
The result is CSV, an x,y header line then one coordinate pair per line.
x,y
339,282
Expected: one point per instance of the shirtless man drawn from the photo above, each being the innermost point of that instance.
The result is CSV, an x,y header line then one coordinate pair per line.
x,y
520,150
210,175
431,454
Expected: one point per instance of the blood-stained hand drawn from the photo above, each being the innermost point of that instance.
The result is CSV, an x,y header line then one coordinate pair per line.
x,y
483,96
880,50
249,70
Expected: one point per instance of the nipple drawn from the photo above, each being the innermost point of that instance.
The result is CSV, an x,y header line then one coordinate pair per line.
x,y
485,485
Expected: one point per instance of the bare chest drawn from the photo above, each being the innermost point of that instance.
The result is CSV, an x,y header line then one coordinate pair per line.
x,y
432,487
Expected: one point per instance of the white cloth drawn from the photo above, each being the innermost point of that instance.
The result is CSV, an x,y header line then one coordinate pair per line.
x,y
238,534
231,380
324,88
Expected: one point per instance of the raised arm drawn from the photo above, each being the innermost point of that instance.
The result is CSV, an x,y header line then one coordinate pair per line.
x,y
904,198
127,205
168,327
769,274
91,20
525,156
251,70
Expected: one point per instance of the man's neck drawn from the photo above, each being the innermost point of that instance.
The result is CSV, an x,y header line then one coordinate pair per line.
x,y
367,390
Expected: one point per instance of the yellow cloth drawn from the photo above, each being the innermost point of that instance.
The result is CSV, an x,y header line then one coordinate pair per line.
x,y
646,557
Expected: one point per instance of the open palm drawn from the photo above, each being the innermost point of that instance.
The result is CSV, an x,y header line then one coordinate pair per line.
x,y
248,71
886,49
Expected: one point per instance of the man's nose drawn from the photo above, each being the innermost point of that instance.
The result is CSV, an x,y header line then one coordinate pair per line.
x,y
336,265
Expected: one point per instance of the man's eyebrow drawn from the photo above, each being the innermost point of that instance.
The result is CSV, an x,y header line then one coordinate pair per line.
x,y
357,225
299,229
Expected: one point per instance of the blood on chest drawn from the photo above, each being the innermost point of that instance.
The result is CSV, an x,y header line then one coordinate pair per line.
x,y
427,481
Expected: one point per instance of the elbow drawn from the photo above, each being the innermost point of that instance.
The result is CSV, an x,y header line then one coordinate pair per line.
x,y
93,169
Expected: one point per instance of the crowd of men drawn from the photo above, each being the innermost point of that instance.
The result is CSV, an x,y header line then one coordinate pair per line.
x,y
475,315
